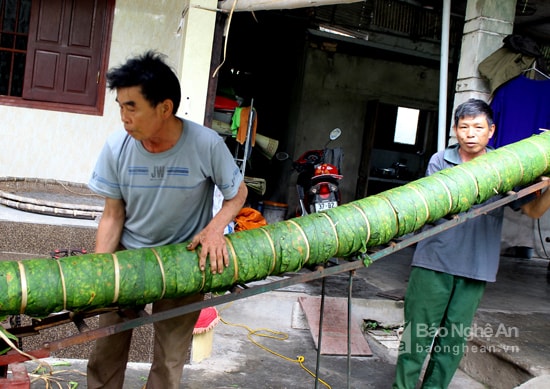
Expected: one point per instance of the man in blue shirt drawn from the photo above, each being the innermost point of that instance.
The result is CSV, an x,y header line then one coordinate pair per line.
x,y
450,269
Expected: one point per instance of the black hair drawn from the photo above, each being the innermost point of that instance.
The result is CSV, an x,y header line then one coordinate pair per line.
x,y
473,108
157,80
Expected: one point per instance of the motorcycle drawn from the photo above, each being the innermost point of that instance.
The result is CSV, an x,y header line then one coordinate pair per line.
x,y
318,178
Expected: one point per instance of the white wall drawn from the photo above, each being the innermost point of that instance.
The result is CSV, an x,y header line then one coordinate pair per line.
x,y
64,146
335,93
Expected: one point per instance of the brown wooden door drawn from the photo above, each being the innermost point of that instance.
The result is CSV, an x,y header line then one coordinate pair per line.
x,y
64,50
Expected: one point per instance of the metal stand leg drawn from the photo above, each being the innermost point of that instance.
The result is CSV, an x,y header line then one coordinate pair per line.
x,y
349,327
320,336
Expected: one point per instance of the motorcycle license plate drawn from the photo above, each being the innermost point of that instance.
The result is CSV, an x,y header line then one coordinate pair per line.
x,y
325,205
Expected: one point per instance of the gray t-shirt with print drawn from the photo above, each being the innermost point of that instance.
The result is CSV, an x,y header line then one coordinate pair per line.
x,y
168,195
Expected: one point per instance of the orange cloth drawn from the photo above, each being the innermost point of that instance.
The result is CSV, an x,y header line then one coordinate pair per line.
x,y
243,126
248,219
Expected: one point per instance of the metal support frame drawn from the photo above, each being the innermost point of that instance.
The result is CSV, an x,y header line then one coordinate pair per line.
x,y
244,291
241,162
320,334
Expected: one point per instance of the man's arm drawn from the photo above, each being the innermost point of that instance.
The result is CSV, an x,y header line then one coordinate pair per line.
x,y
538,206
211,238
110,226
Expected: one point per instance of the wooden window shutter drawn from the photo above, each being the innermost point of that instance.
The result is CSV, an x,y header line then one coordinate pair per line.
x,y
64,51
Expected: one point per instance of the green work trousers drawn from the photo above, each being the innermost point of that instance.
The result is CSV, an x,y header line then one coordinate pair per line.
x,y
172,340
439,309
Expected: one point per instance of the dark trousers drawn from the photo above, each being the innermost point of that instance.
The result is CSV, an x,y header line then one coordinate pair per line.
x,y
439,309
172,339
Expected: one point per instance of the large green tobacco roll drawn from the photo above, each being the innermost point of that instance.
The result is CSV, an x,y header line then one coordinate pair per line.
x,y
39,287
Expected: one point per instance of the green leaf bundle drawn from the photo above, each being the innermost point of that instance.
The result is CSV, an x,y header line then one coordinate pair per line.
x,y
38,287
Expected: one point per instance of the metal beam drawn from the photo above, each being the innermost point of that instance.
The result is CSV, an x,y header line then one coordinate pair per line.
x,y
264,5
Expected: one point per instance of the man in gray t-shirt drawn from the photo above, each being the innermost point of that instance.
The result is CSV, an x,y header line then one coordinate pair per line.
x,y
158,178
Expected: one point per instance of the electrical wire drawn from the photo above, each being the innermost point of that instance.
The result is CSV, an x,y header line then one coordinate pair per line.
x,y
272,334
542,241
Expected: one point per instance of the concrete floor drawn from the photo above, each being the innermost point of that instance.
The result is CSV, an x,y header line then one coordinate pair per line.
x,y
517,306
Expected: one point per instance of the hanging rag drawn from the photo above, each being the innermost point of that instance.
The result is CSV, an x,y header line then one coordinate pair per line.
x,y
526,46
502,66
239,124
518,54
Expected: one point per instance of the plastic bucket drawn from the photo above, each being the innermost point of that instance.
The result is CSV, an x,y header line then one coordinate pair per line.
x,y
274,212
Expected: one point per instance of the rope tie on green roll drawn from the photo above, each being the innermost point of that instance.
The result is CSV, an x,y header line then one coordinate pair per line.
x,y
333,226
304,236
499,179
161,267
388,202
518,160
235,263
448,193
365,219
24,290
424,201
471,176
117,278
538,146
274,260
63,285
